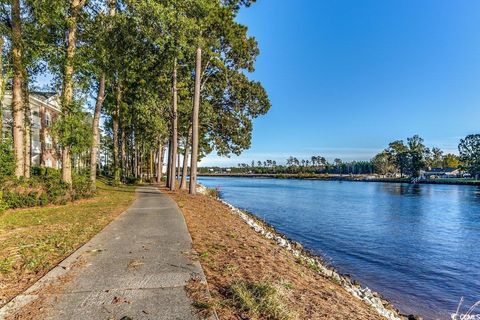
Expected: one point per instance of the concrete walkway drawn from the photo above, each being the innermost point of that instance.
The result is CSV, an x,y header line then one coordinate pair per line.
x,y
136,268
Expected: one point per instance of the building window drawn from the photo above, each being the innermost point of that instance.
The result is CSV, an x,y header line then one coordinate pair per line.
x,y
48,163
48,142
48,119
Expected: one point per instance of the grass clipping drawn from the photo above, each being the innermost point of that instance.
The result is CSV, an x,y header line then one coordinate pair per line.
x,y
260,300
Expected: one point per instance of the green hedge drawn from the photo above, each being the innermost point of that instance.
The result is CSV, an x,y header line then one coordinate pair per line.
x,y
43,188
7,159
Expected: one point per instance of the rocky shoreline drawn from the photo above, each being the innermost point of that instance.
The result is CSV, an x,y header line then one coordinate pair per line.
x,y
381,305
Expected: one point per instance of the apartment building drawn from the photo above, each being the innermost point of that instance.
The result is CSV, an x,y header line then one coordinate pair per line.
x,y
44,110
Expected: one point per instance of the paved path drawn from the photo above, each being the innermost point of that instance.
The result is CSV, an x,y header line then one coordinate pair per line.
x,y
136,268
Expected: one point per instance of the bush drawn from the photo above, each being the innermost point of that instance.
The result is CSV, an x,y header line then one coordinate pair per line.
x,y
45,172
43,189
213,192
82,188
7,159
260,300
132,180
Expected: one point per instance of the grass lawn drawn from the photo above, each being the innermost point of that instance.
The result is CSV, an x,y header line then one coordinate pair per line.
x,y
34,240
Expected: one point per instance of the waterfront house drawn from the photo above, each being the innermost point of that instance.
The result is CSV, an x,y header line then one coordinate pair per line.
x,y
44,109
442,173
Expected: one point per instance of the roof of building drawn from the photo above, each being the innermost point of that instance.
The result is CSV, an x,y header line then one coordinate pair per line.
x,y
44,94
441,170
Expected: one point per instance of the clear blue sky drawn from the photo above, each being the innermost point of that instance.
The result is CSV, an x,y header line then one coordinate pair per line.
x,y
346,77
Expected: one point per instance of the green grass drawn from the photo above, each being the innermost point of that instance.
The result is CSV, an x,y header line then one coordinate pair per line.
x,y
213,192
260,300
34,240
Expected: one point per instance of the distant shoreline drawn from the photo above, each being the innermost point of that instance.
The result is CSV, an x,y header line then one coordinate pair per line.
x,y
336,177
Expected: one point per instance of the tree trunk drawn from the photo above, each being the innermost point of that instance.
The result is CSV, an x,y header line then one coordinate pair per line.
x,y
97,114
27,132
116,153
183,182
116,170
67,96
174,127
151,166
169,162
17,97
123,151
160,161
43,126
2,87
95,129
135,160
179,165
28,150
132,153
195,114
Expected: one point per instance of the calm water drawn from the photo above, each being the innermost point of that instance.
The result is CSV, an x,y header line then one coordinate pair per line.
x,y
418,245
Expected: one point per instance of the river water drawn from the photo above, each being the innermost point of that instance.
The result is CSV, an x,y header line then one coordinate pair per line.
x,y
417,245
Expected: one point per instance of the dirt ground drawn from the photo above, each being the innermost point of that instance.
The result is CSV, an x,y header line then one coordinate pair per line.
x,y
230,251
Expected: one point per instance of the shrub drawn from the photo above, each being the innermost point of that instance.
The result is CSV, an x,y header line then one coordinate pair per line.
x,y
43,189
132,180
56,191
213,192
82,188
3,204
7,159
261,300
45,172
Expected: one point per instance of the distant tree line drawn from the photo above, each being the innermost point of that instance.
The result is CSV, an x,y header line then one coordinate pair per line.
x,y
312,165
401,158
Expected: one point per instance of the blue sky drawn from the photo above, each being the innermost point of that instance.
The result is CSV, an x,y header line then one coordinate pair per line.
x,y
346,77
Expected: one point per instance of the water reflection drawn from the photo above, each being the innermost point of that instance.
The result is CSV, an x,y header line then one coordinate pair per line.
x,y
402,189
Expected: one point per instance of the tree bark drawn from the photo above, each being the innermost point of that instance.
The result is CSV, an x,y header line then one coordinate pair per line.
x,y
17,97
132,153
160,161
2,88
169,161
95,129
116,153
43,125
135,159
27,132
28,149
174,127
179,165
97,113
67,95
152,165
195,114
183,182
123,150
116,170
